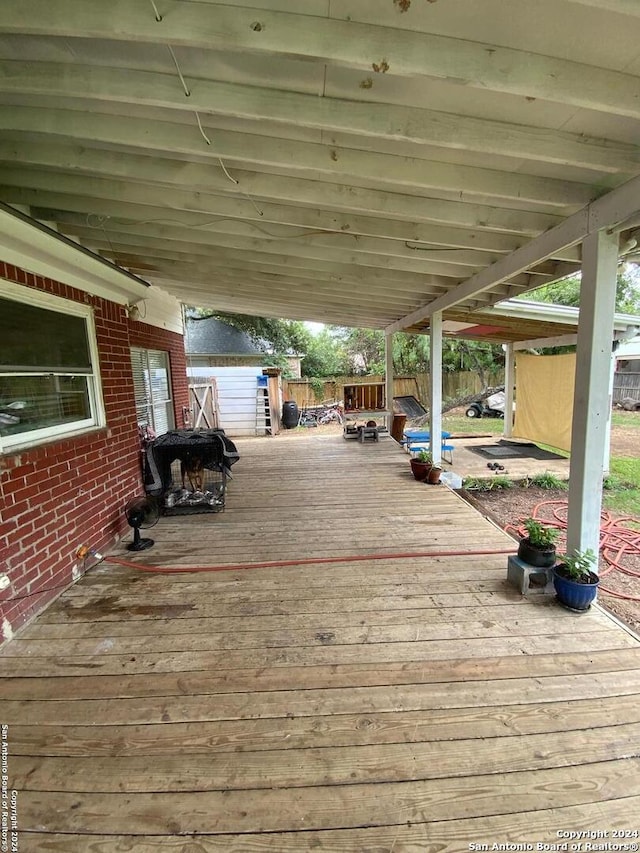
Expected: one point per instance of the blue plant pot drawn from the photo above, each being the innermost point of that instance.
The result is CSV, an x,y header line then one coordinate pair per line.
x,y
576,596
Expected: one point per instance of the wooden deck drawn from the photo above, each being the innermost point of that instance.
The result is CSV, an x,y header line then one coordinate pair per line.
x,y
398,705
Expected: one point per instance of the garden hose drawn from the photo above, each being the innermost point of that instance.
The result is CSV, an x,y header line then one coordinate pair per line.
x,y
302,561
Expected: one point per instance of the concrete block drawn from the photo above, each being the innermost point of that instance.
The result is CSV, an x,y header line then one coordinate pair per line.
x,y
530,580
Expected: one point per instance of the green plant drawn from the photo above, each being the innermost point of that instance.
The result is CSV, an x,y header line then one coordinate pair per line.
x,y
579,565
317,386
547,480
539,535
461,425
501,483
423,456
474,484
477,484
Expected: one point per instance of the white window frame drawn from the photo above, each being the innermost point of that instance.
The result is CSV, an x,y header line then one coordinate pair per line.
x,y
49,302
151,403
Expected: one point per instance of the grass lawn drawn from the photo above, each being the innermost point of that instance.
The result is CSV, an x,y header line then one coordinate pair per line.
x,y
626,419
472,426
621,494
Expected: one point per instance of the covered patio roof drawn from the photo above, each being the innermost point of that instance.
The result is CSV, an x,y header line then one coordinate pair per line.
x,y
368,162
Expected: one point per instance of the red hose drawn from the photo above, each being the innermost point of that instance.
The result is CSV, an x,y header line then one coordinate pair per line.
x,y
616,540
306,561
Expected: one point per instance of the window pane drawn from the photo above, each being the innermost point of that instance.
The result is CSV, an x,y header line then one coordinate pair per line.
x,y
152,387
32,402
41,340
161,420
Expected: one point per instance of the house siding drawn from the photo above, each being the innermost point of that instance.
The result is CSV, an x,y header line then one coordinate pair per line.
x,y
65,493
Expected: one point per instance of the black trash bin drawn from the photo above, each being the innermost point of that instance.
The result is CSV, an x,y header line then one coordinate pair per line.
x,y
290,414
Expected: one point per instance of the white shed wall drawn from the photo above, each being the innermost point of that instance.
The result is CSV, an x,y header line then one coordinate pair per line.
x,y
237,390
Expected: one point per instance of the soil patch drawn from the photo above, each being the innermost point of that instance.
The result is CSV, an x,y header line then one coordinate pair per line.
x,y
625,441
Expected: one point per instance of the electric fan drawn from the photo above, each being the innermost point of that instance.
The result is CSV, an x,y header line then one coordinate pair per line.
x,y
141,512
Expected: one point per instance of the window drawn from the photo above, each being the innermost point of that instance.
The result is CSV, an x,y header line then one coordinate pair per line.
x,y
49,378
152,383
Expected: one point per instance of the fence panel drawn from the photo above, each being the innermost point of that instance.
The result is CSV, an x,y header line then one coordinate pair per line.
x,y
458,384
626,384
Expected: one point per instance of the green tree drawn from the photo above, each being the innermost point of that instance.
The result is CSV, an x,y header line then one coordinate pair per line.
x,y
324,356
363,349
566,291
410,354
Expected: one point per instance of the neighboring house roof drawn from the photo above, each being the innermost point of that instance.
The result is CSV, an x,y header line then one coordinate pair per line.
x,y
213,337
629,349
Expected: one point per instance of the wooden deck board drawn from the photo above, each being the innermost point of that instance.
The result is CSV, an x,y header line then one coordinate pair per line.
x,y
210,737
413,835
403,704
324,807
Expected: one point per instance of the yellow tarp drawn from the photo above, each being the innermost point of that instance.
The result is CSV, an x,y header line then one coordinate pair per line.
x,y
544,398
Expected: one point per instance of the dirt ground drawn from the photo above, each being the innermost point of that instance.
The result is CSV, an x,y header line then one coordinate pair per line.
x,y
625,441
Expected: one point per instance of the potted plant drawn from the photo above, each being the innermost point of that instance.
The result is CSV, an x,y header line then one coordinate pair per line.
x,y
538,547
575,580
421,464
433,477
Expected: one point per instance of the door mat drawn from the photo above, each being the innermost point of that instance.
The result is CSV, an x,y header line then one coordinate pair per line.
x,y
513,450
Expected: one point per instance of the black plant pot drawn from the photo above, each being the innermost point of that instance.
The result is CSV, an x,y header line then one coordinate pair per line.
x,y
541,558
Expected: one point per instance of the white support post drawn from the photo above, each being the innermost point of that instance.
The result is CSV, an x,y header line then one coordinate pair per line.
x,y
607,446
509,383
388,378
591,407
435,366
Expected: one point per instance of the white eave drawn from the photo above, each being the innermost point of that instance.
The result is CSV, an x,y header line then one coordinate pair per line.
x,y
39,250
551,313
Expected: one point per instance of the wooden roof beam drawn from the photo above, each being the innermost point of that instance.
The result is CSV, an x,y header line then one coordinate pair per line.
x,y
345,43
383,121
73,137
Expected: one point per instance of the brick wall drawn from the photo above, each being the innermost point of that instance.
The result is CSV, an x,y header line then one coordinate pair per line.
x,y
66,493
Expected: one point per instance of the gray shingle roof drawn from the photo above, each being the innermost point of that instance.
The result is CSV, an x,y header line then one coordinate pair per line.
x,y
213,337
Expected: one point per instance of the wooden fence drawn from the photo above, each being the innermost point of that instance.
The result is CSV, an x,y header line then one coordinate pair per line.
x,y
308,393
626,384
